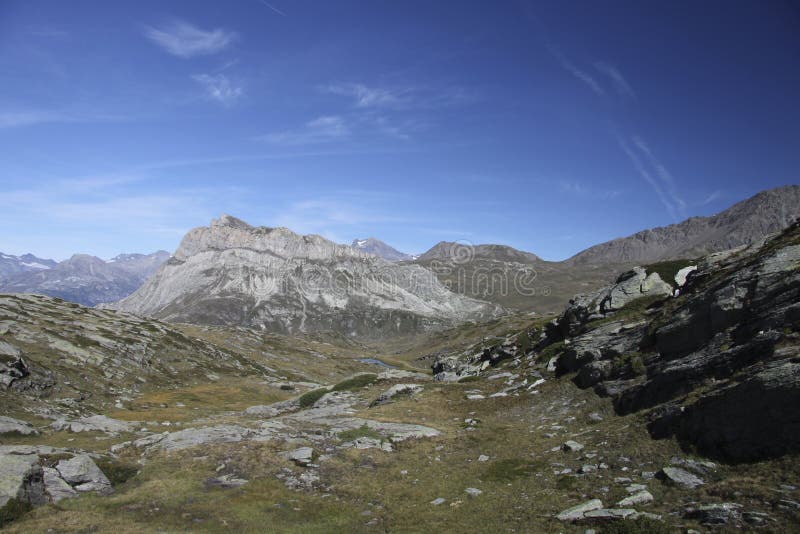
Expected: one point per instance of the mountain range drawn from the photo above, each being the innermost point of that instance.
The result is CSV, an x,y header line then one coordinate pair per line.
x,y
11,265
84,279
376,247
236,274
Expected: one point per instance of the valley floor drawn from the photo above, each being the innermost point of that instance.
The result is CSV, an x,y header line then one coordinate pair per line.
x,y
472,462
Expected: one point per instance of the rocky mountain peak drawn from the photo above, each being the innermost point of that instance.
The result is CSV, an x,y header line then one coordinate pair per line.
x,y
230,221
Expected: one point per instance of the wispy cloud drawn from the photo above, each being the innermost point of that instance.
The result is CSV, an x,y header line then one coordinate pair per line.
x,y
655,174
273,8
619,82
712,197
323,129
220,88
366,97
332,216
12,119
581,75
186,40
580,189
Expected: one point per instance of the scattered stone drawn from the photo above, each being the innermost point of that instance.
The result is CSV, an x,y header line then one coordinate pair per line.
x,y
586,469
571,446
438,501
302,456
95,423
473,492
605,514
483,458
397,389
682,478
9,425
596,417
635,488
225,481
577,512
714,514
475,396
787,504
640,497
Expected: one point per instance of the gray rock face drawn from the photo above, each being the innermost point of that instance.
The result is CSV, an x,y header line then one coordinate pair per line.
x,y
301,456
21,478
87,280
734,331
233,273
378,248
397,389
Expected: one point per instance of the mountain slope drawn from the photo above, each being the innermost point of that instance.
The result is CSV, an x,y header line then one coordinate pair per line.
x,y
376,247
743,223
88,280
11,265
236,274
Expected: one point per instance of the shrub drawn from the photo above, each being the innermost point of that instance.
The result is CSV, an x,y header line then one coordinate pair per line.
x,y
117,472
554,349
13,509
362,432
308,399
358,381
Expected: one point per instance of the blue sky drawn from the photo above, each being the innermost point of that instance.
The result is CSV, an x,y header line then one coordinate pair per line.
x,y
546,126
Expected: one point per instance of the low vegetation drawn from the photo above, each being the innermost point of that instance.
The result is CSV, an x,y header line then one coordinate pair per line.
x,y
307,400
357,382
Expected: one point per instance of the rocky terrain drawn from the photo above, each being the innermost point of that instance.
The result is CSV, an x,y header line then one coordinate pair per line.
x,y
660,402
376,247
87,280
235,274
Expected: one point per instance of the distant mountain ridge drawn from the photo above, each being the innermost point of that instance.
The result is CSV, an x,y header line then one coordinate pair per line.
x,y
236,274
376,247
86,279
11,265
743,223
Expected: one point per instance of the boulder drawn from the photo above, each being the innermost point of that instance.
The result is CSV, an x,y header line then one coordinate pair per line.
x,y
577,512
83,474
640,497
397,389
715,514
301,456
21,478
9,425
56,487
680,477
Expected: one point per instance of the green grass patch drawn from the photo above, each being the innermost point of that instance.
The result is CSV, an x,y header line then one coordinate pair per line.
x,y
668,269
13,510
642,525
554,349
468,379
117,472
357,382
362,432
307,400
508,470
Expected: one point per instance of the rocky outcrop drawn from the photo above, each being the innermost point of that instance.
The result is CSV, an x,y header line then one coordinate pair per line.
x,y
235,274
717,366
